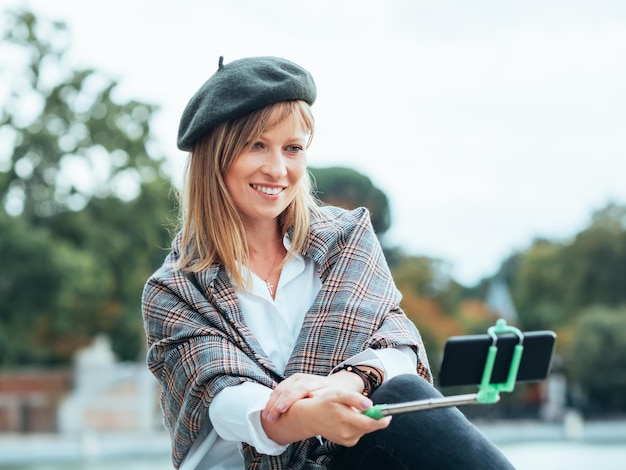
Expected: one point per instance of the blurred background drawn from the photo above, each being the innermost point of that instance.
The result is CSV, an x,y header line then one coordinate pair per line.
x,y
487,141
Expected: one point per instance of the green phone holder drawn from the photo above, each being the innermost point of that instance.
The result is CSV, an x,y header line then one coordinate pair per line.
x,y
488,393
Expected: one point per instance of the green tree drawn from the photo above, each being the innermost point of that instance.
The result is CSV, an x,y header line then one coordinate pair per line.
x,y
428,278
596,261
538,286
552,282
597,361
577,287
348,188
43,280
72,139
85,202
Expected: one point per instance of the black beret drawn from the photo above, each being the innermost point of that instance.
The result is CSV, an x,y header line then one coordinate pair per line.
x,y
240,87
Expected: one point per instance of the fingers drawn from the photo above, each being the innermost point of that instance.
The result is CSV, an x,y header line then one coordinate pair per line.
x,y
289,391
338,417
333,413
355,400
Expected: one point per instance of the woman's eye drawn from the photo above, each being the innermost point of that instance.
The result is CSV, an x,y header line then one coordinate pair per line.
x,y
294,148
256,145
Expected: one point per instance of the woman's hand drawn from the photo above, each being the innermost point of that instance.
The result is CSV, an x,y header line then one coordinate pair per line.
x,y
299,386
331,413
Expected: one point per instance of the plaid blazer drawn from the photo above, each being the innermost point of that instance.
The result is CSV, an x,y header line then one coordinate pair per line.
x,y
198,342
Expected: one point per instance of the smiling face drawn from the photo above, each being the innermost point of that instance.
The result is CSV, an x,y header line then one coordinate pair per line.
x,y
263,180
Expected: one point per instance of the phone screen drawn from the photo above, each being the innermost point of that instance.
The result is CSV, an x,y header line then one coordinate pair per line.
x,y
464,358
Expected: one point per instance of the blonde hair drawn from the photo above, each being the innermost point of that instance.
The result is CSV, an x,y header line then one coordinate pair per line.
x,y
212,231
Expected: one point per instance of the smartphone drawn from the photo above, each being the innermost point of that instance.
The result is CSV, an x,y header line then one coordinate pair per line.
x,y
464,358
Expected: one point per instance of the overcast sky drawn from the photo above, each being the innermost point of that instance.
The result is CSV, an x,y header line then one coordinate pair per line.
x,y
486,123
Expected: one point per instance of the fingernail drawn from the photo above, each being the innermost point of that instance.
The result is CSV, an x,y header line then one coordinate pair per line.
x,y
270,417
281,407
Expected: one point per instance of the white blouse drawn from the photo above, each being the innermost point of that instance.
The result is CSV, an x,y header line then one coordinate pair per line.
x,y
235,413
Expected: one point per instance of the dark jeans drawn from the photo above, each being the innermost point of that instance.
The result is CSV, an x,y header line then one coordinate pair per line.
x,y
440,438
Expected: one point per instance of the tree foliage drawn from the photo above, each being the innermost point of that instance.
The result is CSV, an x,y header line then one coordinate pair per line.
x,y
85,203
65,122
554,281
598,362
44,283
578,288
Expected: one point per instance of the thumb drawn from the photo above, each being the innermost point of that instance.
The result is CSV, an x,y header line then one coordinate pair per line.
x,y
356,400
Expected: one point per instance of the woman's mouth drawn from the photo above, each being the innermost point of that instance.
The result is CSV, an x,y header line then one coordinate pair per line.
x,y
271,191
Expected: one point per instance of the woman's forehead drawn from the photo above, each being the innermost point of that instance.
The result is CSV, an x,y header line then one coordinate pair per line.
x,y
292,115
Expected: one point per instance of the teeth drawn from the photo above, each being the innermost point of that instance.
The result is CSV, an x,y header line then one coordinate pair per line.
x,y
266,190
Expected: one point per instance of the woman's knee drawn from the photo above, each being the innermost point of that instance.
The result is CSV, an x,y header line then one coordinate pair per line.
x,y
405,387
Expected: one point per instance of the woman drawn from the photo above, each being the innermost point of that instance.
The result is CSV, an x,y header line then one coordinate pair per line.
x,y
273,320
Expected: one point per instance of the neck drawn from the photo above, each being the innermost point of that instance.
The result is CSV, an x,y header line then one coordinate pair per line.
x,y
267,265
262,240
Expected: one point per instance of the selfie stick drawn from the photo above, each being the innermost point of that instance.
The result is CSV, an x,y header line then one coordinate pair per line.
x,y
488,393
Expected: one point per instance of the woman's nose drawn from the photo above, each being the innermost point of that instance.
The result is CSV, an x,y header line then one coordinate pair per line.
x,y
275,164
